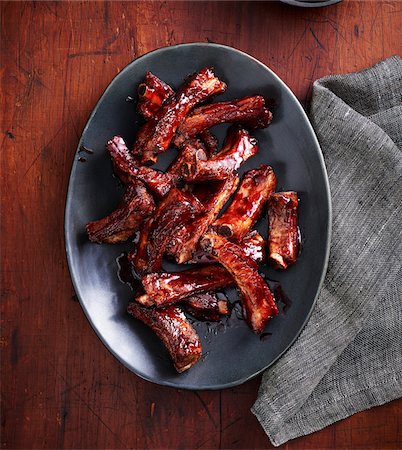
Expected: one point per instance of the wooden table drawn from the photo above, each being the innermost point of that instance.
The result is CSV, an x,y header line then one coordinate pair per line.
x,y
61,388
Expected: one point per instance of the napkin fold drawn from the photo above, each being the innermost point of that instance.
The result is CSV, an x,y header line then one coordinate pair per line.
x,y
349,355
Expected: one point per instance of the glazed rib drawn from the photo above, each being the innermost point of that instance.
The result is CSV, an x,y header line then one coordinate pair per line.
x,y
192,149
257,300
176,208
253,245
207,306
254,190
127,169
157,138
122,223
239,147
185,242
173,329
165,288
283,234
250,111
152,93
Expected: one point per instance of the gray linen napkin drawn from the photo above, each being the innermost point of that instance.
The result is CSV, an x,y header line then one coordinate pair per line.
x,y
349,356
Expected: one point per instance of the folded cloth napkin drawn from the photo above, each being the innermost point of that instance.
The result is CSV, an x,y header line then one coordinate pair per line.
x,y
349,355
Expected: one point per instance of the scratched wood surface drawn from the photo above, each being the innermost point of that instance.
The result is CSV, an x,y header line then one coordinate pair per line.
x,y
61,388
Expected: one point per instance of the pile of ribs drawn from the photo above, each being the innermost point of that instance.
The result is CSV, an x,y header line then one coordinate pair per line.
x,y
176,212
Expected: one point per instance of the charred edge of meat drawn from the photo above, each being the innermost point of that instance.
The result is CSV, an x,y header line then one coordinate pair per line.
x,y
283,236
173,329
122,223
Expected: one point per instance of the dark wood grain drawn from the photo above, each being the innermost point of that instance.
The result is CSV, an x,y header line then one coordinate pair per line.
x,y
61,388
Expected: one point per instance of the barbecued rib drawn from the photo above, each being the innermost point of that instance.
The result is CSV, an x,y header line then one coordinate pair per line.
x,y
257,300
185,241
166,288
283,234
173,329
254,190
207,306
192,149
157,136
122,223
239,147
127,169
253,245
152,93
249,111
176,208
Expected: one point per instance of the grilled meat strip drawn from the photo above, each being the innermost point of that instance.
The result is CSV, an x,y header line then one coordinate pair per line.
x,y
283,233
253,245
122,223
173,329
177,208
156,135
257,300
185,242
250,111
238,148
191,149
165,288
254,190
127,169
152,93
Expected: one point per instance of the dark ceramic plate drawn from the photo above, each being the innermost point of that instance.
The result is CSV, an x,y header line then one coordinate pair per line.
x,y
311,3
232,353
